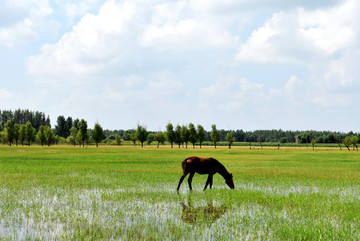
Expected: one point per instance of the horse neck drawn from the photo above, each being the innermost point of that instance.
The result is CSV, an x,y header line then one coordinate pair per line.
x,y
223,172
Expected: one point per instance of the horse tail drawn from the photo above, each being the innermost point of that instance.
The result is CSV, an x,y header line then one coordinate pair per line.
x,y
184,165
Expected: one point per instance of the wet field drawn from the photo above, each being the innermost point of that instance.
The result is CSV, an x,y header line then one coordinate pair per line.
x,y
129,193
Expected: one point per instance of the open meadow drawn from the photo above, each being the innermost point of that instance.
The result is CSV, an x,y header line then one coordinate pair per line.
x,y
127,193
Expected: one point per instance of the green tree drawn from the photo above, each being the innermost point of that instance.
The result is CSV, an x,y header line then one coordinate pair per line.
x,y
49,135
60,128
313,142
29,133
200,134
354,142
41,135
185,134
76,122
170,134
160,138
214,135
97,134
192,134
230,138
58,139
78,138
83,132
118,139
304,137
347,142
141,134
127,135
9,132
5,116
178,138
133,137
69,124
22,134
17,117
283,140
339,140
259,139
72,137
2,137
16,133
331,138
150,138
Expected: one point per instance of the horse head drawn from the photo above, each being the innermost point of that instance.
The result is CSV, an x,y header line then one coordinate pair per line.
x,y
229,181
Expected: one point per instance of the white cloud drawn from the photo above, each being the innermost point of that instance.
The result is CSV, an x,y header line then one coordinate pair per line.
x,y
156,60
302,35
324,41
140,89
300,94
259,47
12,99
92,45
231,95
5,94
295,97
166,83
132,80
190,33
100,43
293,85
20,32
337,73
227,7
330,30
78,8
19,20
279,40
176,24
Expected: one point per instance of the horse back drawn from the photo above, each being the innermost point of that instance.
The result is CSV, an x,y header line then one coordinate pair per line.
x,y
200,165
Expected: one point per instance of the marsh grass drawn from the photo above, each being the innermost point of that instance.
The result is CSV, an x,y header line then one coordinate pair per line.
x,y
127,193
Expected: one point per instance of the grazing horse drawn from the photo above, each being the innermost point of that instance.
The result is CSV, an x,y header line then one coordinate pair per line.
x,y
204,166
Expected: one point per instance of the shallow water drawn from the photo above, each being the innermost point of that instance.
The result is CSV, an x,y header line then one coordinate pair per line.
x,y
148,211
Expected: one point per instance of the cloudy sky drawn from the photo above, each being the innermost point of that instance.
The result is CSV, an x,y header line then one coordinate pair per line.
x,y
260,64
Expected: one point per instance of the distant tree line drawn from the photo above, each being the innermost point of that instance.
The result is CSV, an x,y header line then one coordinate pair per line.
x,y
276,136
24,127
20,117
182,135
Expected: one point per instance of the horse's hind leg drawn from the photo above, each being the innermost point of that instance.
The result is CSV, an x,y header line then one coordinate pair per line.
x,y
190,179
208,181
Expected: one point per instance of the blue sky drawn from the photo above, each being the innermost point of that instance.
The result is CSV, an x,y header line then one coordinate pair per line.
x,y
238,64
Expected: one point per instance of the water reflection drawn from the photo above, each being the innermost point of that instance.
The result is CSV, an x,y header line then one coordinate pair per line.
x,y
206,214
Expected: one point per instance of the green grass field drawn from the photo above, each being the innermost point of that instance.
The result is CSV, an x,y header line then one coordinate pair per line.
x,y
127,193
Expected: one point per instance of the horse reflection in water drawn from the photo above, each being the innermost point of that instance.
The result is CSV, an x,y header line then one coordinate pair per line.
x,y
201,215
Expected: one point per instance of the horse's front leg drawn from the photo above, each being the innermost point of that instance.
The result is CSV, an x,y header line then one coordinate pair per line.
x,y
190,179
208,181
181,180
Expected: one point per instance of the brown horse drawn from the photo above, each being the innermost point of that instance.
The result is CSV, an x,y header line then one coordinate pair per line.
x,y
204,166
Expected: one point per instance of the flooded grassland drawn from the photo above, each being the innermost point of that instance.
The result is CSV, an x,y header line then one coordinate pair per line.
x,y
127,193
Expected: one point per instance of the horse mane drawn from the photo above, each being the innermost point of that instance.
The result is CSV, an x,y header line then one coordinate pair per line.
x,y
222,170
